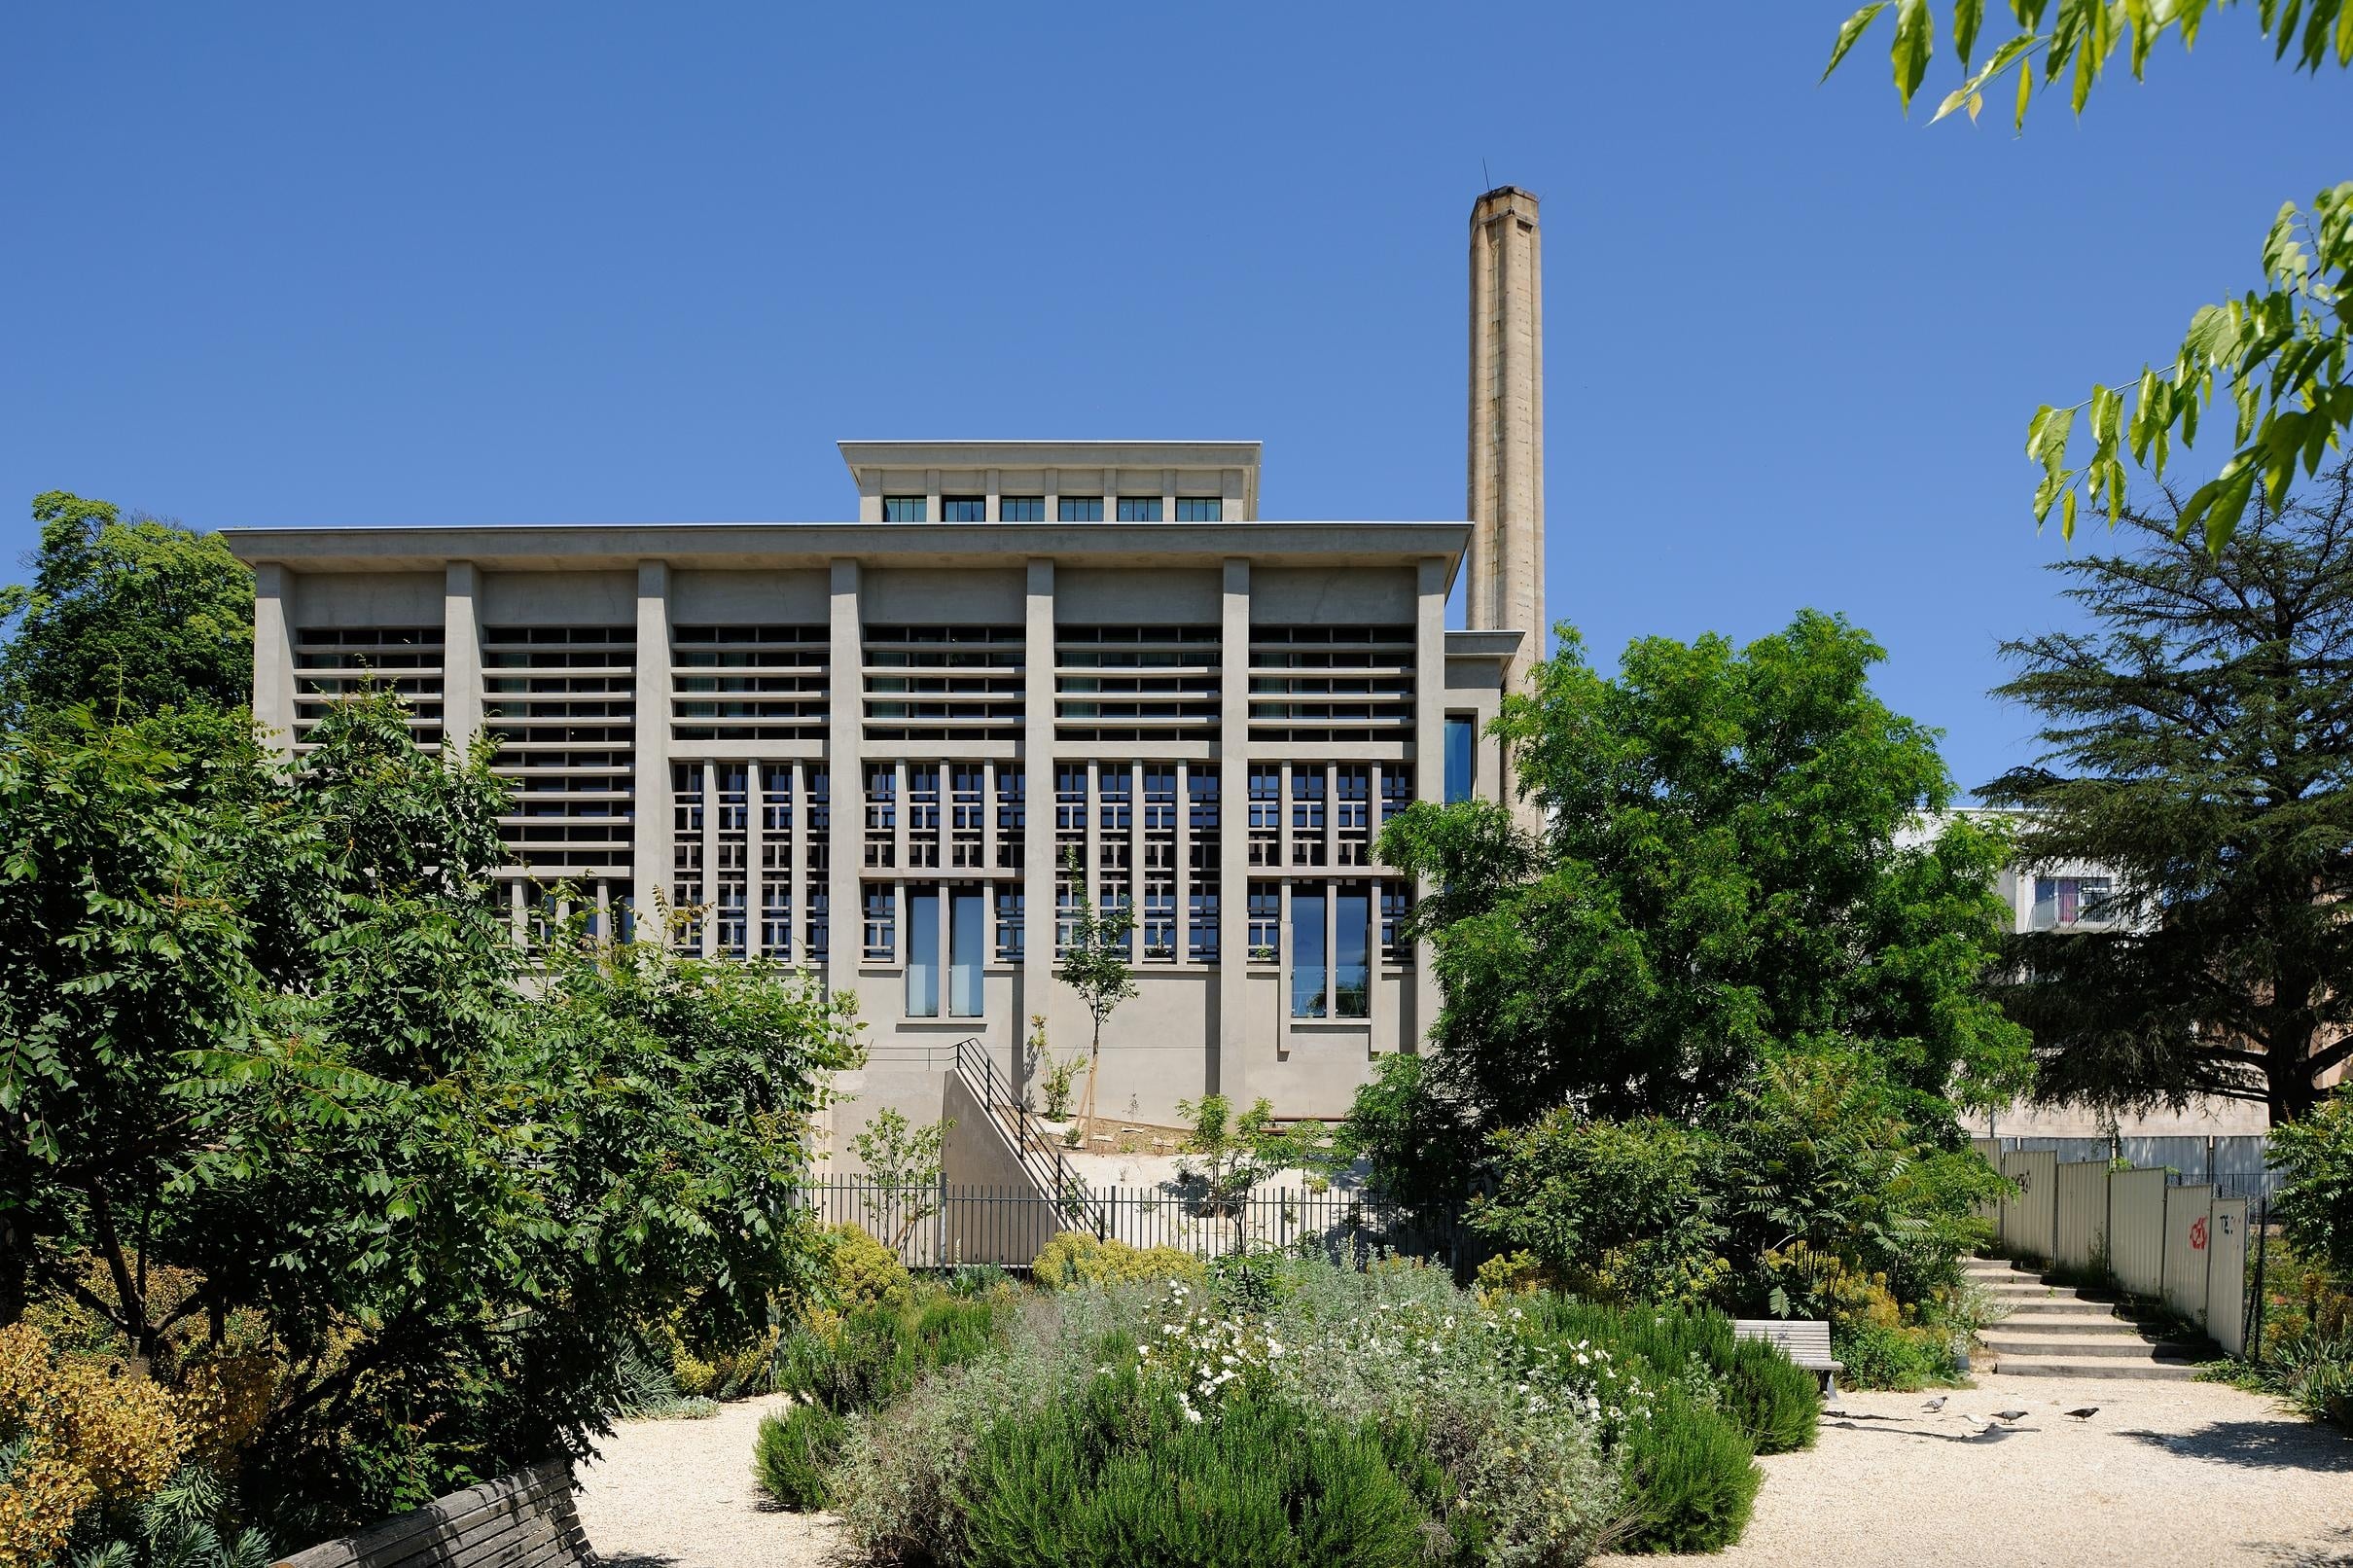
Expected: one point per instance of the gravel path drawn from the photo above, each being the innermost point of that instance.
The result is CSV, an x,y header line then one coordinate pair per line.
x,y
679,1494
2165,1473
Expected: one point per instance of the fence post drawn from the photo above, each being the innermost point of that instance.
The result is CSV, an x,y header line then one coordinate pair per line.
x,y
2262,1232
939,1223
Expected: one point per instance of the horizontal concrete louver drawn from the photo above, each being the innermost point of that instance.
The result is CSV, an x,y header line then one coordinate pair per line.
x,y
755,684
559,704
1330,685
334,663
1136,684
942,683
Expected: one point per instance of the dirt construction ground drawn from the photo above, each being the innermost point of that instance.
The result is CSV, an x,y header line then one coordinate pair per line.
x,y
2167,1472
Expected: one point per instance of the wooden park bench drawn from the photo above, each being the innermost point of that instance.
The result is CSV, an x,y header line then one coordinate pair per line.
x,y
522,1520
1805,1340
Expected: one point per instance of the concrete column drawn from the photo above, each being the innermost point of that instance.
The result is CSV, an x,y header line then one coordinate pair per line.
x,y
461,658
1038,787
755,846
845,734
1429,756
274,691
1229,1071
1505,470
651,816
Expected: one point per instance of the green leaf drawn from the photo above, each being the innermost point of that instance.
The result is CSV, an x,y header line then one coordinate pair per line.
x,y
2230,500
1967,17
1850,30
1915,40
2026,95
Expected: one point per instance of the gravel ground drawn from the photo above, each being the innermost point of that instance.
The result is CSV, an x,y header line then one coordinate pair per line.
x,y
2165,1473
681,1493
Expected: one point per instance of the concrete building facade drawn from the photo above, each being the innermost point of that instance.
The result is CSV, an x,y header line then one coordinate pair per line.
x,y
896,749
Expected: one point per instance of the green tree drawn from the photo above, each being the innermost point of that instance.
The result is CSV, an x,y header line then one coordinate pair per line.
x,y
130,617
1726,868
141,867
2280,350
2315,1205
2198,745
903,1160
265,1023
1094,963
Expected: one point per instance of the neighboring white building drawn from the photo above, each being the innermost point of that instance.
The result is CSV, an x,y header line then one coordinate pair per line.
x,y
872,746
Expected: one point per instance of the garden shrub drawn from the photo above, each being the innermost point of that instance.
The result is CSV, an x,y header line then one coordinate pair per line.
x,y
1123,1478
875,1356
1074,1258
1775,1402
1391,1386
862,1272
1613,1210
793,1454
1690,1477
1897,1358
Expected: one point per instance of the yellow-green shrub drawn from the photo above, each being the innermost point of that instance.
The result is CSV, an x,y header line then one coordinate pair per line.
x,y
94,1436
862,1272
1073,1257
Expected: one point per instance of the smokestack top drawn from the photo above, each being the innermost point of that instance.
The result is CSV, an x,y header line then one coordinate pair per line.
x,y
1505,197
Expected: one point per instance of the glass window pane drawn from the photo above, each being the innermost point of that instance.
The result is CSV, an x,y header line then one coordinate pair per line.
x,y
1199,508
922,954
1461,732
964,508
965,938
904,507
1308,998
1352,956
1139,509
1021,509
1079,508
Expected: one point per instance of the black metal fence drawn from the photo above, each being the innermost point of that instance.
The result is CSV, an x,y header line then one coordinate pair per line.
x,y
940,1225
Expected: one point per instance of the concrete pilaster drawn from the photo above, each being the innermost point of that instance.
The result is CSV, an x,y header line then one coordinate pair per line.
x,y
845,686
1429,755
274,691
650,819
1038,814
461,658
1228,1070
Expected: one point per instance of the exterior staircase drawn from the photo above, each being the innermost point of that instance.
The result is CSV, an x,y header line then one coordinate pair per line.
x,y
2053,1331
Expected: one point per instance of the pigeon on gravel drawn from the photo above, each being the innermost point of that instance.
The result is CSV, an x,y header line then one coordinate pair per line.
x,y
2013,1415
1936,1403
2083,1413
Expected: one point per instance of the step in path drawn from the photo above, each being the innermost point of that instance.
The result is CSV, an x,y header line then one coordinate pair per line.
x,y
2053,1331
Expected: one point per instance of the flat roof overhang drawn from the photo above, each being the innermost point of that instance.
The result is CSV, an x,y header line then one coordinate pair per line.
x,y
770,545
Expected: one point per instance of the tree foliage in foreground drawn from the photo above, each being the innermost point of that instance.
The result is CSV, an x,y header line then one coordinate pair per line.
x,y
265,1029
2200,743
1727,871
2279,351
127,617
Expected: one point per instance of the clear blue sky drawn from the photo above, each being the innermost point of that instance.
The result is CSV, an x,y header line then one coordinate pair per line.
x,y
576,262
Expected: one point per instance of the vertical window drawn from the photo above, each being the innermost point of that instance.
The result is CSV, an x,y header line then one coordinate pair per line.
x,y
1011,939
817,944
1199,508
1020,508
1462,776
1396,790
1354,808
1139,509
1306,815
964,508
1079,508
1201,930
1266,912
922,952
1352,951
967,942
1395,903
903,509
1265,814
922,814
1308,997
881,922
1013,815
882,815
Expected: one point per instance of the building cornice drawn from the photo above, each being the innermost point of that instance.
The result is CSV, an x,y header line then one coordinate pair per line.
x,y
754,545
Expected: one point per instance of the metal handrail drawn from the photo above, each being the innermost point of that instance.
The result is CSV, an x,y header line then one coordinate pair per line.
x,y
1040,1158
